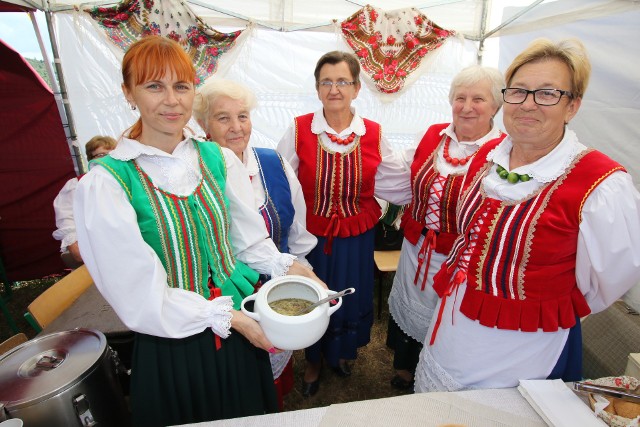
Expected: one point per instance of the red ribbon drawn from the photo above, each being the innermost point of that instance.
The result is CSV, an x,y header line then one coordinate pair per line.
x,y
215,293
458,279
331,231
428,245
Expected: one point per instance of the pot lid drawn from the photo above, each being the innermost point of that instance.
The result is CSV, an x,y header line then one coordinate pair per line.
x,y
48,365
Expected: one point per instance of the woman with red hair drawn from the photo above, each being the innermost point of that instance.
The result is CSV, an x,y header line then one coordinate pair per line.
x,y
173,247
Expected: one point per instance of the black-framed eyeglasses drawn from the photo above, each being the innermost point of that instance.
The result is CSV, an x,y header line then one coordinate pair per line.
x,y
328,84
546,97
97,156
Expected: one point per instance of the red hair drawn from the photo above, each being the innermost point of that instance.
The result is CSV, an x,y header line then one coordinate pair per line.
x,y
148,59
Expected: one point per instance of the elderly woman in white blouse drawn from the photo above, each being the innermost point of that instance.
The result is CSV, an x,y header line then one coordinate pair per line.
x,y
549,232
223,109
342,161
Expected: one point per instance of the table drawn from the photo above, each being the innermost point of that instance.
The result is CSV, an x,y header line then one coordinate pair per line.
x,y
482,408
385,262
90,311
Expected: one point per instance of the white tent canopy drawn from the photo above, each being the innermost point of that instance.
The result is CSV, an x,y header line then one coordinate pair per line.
x,y
286,37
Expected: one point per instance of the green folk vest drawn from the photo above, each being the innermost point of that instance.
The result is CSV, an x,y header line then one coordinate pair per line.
x,y
190,234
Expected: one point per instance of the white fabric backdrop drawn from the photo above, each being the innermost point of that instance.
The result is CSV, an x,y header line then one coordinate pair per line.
x,y
277,66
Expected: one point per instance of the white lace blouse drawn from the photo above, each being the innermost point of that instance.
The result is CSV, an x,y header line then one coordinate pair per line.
x,y
125,268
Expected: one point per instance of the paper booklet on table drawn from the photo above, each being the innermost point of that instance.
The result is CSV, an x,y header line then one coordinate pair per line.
x,y
557,404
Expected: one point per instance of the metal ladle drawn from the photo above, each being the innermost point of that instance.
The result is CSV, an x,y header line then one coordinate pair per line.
x,y
347,291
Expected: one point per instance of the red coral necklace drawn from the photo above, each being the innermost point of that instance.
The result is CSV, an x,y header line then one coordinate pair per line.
x,y
452,160
342,141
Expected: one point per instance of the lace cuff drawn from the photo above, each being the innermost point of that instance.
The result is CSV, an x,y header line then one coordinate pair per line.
x,y
68,240
281,264
220,315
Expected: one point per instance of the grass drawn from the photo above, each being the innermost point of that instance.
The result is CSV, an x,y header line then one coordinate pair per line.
x,y
371,371
22,294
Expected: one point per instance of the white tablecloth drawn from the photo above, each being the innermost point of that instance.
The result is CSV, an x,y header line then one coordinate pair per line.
x,y
477,408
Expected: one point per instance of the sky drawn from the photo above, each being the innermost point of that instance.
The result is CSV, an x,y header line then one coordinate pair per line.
x,y
17,31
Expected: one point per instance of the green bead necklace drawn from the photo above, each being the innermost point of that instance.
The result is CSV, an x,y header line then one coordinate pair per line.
x,y
512,177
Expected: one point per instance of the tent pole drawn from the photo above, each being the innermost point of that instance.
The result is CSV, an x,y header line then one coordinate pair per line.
x,y
483,28
72,137
513,18
45,56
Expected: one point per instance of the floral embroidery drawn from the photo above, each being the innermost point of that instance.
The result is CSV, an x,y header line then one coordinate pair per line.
x,y
130,20
391,45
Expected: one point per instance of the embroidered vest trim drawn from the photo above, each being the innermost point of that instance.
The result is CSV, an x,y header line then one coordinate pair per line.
x,y
521,272
338,188
277,209
189,234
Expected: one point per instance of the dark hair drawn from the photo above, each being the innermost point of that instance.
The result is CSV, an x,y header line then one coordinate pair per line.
x,y
335,57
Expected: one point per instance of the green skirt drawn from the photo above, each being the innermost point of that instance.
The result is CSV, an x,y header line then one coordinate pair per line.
x,y
180,381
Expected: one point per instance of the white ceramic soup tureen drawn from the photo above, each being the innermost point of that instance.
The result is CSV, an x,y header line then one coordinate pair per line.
x,y
291,332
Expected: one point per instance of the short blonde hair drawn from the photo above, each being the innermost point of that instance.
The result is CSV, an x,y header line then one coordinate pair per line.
x,y
475,74
570,51
99,141
212,89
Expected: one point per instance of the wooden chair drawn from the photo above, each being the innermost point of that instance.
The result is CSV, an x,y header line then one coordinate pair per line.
x,y
386,262
55,300
12,342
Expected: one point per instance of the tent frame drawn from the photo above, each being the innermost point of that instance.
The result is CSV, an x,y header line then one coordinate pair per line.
x,y
65,110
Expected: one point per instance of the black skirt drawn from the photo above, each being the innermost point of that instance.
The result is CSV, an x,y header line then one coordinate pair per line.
x,y
180,381
406,350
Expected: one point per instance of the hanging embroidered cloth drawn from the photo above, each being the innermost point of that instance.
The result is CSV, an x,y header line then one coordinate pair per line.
x,y
130,20
391,44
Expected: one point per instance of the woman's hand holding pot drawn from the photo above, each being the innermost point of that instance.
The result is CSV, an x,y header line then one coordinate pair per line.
x,y
252,331
300,270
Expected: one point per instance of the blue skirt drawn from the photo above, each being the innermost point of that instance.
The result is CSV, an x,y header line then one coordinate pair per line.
x,y
350,265
569,364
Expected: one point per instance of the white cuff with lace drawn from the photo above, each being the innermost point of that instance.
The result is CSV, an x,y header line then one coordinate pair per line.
x,y
220,315
280,265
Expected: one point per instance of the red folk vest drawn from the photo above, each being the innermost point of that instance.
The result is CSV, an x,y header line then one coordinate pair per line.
x,y
338,188
423,174
521,272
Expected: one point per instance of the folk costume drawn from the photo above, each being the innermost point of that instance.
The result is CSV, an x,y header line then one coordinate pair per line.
x,y
156,234
339,180
532,258
278,198
429,230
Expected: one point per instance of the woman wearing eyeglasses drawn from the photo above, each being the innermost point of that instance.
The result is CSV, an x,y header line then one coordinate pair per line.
x,y
549,232
342,161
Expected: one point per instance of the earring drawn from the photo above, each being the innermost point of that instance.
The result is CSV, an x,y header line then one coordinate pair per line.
x,y
133,107
208,136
